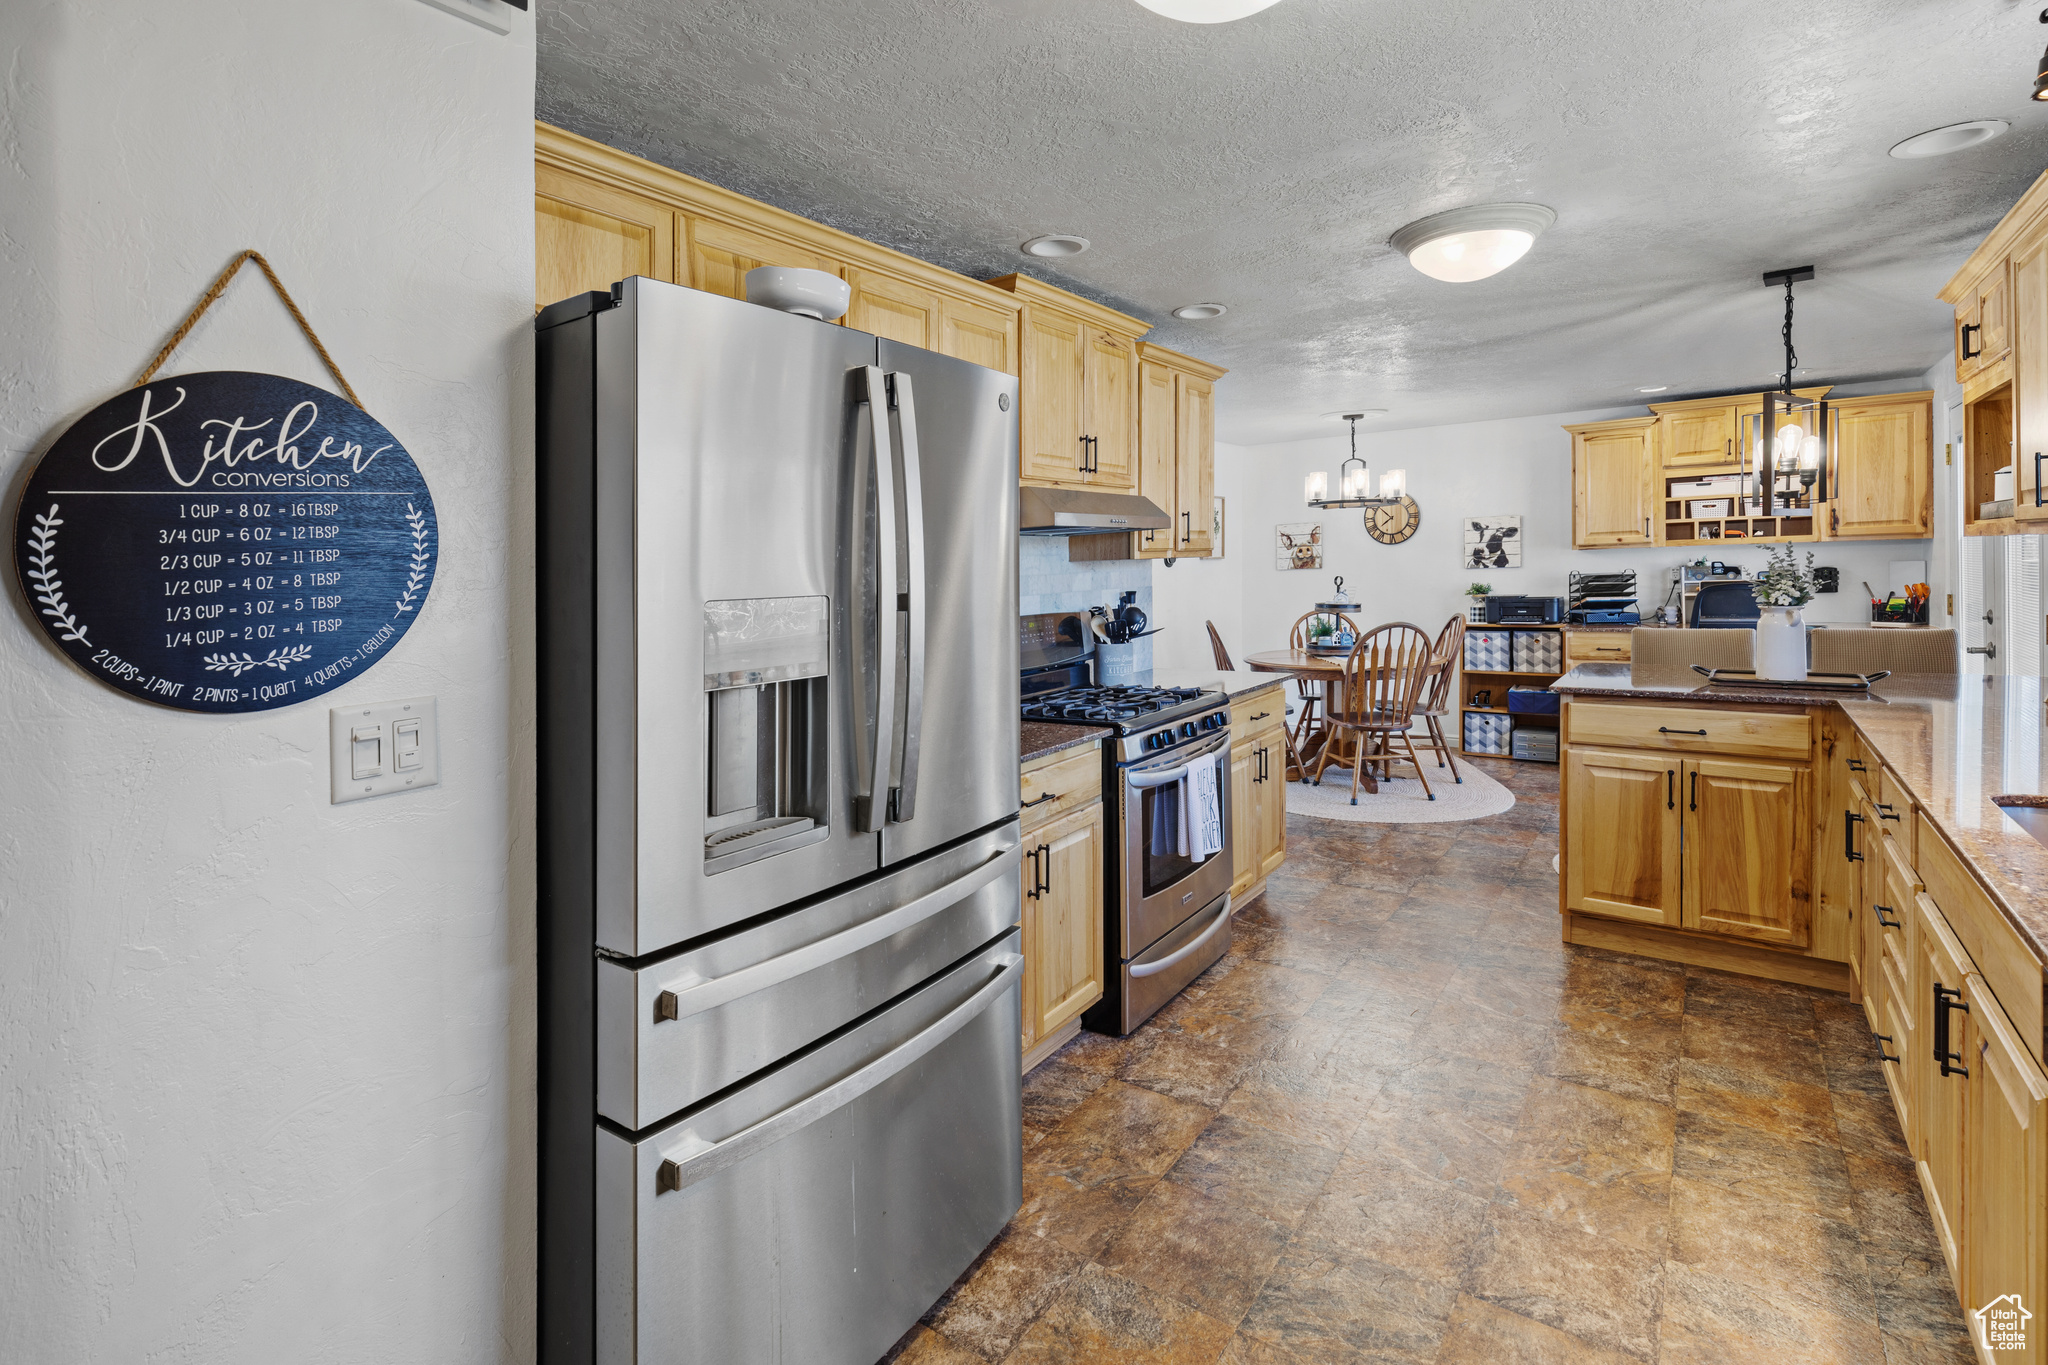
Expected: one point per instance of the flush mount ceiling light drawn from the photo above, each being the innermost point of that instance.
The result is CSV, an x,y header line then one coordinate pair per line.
x,y
1056,245
1206,11
1655,388
1462,245
1200,312
1953,138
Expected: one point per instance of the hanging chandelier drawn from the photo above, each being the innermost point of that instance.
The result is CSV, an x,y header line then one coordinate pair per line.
x,y
1790,434
1354,481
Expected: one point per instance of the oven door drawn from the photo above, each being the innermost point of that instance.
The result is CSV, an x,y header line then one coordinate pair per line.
x,y
1161,886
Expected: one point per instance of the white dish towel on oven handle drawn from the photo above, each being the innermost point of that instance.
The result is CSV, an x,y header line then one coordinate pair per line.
x,y
1197,791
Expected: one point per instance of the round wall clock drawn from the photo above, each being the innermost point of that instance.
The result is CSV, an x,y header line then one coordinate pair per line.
x,y
1394,523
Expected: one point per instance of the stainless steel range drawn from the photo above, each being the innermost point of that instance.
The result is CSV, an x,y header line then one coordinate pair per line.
x,y
1166,908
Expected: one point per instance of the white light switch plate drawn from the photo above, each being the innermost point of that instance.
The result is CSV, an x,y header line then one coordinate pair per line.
x,y
390,746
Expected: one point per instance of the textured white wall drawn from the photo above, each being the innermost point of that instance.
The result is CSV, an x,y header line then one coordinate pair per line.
x,y
1198,590
1520,465
266,1063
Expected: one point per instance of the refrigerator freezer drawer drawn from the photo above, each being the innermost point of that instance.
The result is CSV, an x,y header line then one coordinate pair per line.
x,y
673,1032
811,1216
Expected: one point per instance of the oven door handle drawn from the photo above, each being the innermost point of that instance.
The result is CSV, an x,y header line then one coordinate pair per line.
x,y
1159,777
1182,953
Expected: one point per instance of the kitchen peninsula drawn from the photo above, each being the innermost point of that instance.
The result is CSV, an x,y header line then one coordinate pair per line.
x,y
1852,841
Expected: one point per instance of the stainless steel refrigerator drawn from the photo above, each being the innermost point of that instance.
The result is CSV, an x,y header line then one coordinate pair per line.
x,y
780,974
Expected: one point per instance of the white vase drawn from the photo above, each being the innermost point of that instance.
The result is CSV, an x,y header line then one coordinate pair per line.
x,y
1781,644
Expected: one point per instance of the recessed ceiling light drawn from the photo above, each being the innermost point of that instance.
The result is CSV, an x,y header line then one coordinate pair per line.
x,y
1462,245
1056,244
1953,138
1200,312
1659,388
1206,11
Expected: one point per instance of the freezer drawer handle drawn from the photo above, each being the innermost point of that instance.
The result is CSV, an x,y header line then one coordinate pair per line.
x,y
687,998
679,1173
1154,968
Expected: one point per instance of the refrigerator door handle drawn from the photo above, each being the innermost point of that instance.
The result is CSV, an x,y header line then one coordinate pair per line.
x,y
693,995
903,803
687,1167
871,802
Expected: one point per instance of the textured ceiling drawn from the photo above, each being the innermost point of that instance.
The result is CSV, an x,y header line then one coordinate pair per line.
x,y
1686,149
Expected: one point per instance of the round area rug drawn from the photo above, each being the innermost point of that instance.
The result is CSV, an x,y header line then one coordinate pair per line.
x,y
1400,801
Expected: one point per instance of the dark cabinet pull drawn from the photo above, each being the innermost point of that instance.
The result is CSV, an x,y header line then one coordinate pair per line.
x,y
1882,1039
1881,911
1083,466
1187,527
1670,790
1262,715
1886,812
1947,998
1667,730
1856,765
1978,328
1850,819
1692,801
1044,868
1031,891
1049,796
2037,478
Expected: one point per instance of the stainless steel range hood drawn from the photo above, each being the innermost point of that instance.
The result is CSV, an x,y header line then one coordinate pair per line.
x,y
1084,512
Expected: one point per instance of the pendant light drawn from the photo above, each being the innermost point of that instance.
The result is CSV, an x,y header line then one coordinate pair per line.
x,y
1354,481
1206,11
1790,435
2040,73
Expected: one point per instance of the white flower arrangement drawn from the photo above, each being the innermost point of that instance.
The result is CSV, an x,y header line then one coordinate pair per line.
x,y
1783,583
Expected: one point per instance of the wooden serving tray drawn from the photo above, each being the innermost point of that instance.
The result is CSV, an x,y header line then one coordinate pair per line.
x,y
1819,682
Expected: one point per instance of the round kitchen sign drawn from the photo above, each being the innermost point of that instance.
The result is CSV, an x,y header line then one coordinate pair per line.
x,y
226,541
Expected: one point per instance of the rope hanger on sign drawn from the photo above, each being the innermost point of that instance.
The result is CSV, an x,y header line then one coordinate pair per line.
x,y
213,293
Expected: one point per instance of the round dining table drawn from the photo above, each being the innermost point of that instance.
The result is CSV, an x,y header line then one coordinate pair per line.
x,y
1327,669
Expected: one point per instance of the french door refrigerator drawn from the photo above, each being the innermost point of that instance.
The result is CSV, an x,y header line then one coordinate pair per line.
x,y
780,973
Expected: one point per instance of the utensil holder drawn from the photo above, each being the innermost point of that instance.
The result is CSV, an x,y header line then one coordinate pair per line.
x,y
1116,665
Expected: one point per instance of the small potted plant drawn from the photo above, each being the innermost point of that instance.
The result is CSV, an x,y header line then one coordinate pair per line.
x,y
1478,592
1781,589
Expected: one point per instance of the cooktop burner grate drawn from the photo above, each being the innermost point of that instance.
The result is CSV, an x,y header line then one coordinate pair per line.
x,y
1107,705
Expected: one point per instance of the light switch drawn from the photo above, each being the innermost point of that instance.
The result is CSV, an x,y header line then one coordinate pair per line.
x,y
391,746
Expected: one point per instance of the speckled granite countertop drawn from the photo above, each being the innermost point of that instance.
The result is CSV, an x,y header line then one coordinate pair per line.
x,y
1236,683
1954,742
1039,738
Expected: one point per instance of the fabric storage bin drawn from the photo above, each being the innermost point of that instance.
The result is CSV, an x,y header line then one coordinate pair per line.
x,y
1486,734
1538,651
1538,746
1532,701
1709,507
1489,649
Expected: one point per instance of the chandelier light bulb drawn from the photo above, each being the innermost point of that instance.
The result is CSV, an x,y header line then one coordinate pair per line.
x,y
1316,487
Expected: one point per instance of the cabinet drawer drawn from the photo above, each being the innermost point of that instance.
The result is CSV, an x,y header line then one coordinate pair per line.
x,y
1254,715
2008,967
1692,729
1596,647
1060,784
1895,811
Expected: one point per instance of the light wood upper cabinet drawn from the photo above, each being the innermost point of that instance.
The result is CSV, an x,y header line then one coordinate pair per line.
x,y
589,236
1158,479
1749,850
978,334
893,308
1884,468
1053,450
1614,466
1112,412
1983,322
1622,853
1701,436
1063,933
2029,393
1195,458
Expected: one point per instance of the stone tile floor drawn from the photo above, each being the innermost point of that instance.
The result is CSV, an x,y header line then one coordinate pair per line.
x,y
1402,1122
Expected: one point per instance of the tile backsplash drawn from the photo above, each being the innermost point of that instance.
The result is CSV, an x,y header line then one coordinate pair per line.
x,y
1047,581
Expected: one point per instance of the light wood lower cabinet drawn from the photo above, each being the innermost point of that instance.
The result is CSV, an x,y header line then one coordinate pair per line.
x,y
1063,926
1709,844
1258,791
2004,1229
1935,1072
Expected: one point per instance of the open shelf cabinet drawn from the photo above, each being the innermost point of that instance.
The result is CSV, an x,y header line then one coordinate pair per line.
x,y
1498,681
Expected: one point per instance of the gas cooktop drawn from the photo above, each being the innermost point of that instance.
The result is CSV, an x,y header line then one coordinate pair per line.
x,y
1123,708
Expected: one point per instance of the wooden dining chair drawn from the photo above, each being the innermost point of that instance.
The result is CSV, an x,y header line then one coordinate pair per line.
x,y
1383,677
1216,646
1310,691
1437,701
